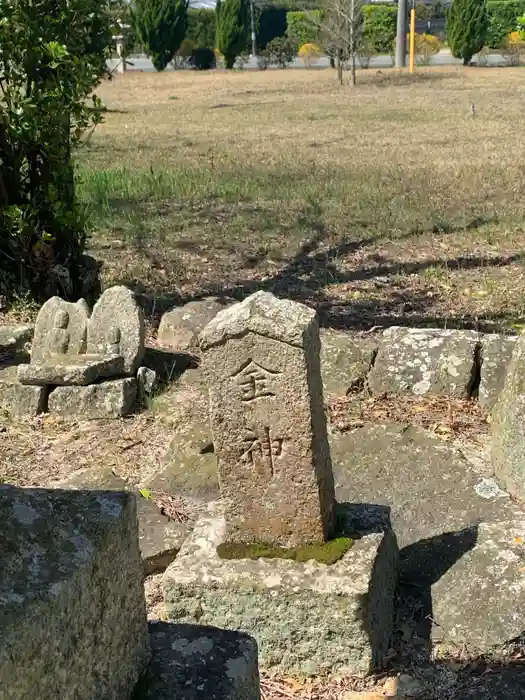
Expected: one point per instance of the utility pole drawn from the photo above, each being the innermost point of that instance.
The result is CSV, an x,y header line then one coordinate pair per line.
x,y
401,34
252,19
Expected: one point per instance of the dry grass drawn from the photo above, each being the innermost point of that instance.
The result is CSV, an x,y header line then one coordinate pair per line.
x,y
387,204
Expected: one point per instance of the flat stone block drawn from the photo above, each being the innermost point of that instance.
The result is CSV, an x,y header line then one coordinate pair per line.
x,y
15,337
66,370
307,618
110,399
20,400
480,600
496,352
72,610
159,537
345,360
424,361
180,327
192,662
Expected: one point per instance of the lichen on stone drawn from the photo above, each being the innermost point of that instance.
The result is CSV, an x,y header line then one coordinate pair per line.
x,y
323,552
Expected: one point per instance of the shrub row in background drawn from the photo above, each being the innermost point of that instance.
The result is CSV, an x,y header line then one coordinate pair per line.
x,y
503,19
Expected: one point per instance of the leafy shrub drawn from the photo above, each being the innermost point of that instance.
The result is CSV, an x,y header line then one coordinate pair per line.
x,y
365,51
503,17
282,52
183,55
232,29
202,59
202,27
161,28
426,46
52,56
241,60
379,27
303,27
309,54
483,56
263,60
514,48
467,28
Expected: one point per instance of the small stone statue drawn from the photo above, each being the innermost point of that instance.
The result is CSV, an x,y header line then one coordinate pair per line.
x,y
58,341
113,345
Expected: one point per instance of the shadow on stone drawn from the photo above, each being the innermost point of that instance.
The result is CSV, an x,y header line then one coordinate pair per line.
x,y
434,557
194,662
358,519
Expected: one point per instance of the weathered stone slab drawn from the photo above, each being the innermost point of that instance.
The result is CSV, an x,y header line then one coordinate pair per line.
x,y
429,486
425,361
189,466
66,370
479,601
192,662
19,400
110,399
72,609
117,327
15,337
180,327
159,538
496,352
261,361
307,618
345,360
508,426
61,329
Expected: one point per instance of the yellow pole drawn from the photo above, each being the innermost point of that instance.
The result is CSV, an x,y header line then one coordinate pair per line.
x,y
412,38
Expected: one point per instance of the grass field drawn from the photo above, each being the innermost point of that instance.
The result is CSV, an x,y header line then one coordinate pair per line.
x,y
391,203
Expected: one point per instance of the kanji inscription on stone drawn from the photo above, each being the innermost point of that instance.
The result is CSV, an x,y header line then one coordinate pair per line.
x,y
261,359
262,450
255,381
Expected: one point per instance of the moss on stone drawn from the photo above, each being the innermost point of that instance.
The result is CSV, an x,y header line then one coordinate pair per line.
x,y
323,552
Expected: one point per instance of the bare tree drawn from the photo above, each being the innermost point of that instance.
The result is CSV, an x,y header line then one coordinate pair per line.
x,y
341,30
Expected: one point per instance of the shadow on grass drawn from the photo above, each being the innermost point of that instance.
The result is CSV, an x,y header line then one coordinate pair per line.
x,y
314,269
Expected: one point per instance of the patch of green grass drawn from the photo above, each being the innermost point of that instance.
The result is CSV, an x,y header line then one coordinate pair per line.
x,y
324,552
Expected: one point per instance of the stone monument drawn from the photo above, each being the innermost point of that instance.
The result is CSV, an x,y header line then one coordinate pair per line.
x,y
262,362
84,365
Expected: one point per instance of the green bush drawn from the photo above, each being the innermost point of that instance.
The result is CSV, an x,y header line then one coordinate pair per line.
x,y
232,29
52,56
303,27
202,59
467,28
161,28
202,27
282,51
503,18
379,27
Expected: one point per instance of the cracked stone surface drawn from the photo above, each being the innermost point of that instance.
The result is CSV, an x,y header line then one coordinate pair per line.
x,y
194,662
71,595
496,353
424,361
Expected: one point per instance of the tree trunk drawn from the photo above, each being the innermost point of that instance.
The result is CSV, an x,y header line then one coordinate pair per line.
x,y
339,65
352,71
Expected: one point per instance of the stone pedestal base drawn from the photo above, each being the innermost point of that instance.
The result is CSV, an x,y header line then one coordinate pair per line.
x,y
19,400
307,618
105,400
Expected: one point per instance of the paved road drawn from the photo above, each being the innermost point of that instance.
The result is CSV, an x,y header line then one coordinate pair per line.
x,y
444,58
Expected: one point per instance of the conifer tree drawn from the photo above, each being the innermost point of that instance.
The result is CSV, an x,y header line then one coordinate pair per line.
x,y
467,25
161,27
232,29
